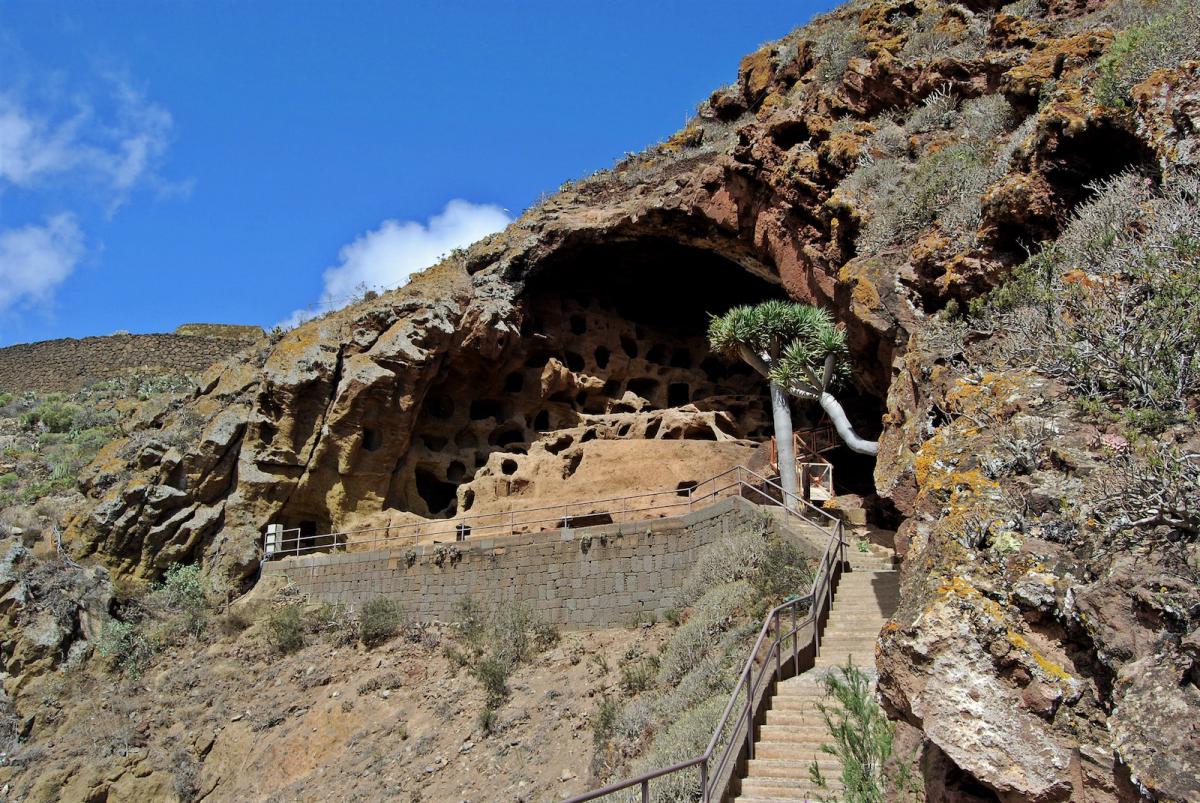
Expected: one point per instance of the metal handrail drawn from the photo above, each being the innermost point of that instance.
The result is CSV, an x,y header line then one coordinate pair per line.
x,y
819,599
293,543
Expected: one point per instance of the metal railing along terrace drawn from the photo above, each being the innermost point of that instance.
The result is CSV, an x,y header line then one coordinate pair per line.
x,y
737,481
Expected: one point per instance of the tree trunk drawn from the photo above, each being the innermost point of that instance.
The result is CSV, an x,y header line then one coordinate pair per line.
x,y
785,447
842,424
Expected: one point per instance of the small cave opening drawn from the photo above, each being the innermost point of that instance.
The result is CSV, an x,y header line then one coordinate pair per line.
x,y
440,497
434,443
507,436
371,439
629,346
541,421
574,361
788,135
514,382
602,355
508,466
657,354
678,394
681,358
440,406
578,325
456,472
486,408
685,488
643,386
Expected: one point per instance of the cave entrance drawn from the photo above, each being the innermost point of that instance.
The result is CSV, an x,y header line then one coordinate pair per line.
x,y
609,328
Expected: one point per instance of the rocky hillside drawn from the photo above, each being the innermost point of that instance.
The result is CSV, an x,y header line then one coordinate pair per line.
x,y
995,200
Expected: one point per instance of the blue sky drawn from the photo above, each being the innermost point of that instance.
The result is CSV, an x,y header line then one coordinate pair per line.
x,y
168,162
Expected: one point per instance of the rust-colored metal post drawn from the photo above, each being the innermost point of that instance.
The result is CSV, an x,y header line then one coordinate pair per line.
x,y
645,792
704,780
749,716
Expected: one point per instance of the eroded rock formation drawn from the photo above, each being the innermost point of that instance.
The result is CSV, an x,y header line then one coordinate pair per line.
x,y
1020,677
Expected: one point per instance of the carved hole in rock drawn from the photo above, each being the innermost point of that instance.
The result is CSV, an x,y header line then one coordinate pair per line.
x,y
595,405
465,439
515,382
588,435
657,354
508,467
623,430
578,325
644,387
681,358
440,497
267,432
481,459
629,346
486,408
573,462
371,439
574,361
712,368
541,421
678,394
684,487
612,389
434,443
537,359
652,429
440,407
456,471
559,444
468,500
602,354
507,436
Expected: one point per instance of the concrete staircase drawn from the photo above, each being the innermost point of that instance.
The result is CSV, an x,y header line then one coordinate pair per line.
x,y
794,730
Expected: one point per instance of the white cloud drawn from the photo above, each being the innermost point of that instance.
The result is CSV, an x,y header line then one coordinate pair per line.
x,y
385,257
35,260
113,152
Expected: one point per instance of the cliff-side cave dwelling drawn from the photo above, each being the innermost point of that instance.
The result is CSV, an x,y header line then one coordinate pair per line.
x,y
611,389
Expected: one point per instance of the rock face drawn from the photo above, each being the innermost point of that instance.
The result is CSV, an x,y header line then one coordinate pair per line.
x,y
891,162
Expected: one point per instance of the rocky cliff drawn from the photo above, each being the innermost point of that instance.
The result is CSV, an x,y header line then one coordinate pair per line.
x,y
891,161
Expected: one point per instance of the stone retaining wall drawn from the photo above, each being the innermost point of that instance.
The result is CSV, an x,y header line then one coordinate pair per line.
x,y
590,577
66,365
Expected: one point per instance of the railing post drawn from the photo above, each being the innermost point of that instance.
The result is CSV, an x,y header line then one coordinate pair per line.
x,y
704,780
645,792
795,639
749,716
778,648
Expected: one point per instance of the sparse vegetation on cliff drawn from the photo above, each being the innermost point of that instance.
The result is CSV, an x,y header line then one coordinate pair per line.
x,y
674,698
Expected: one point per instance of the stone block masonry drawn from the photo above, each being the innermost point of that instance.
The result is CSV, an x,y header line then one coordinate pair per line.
x,y
586,578
67,365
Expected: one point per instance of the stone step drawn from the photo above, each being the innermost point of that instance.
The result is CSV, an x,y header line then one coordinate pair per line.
x,y
789,768
792,751
794,719
795,733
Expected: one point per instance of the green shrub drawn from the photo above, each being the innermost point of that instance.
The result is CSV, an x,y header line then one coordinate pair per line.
x,y
183,593
53,414
604,721
836,43
862,736
285,630
638,670
126,647
379,620
1166,40
9,480
1095,307
492,673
